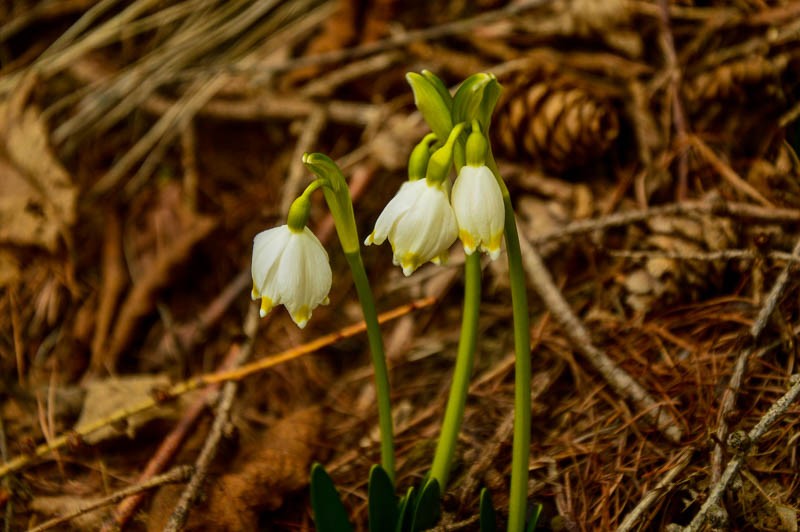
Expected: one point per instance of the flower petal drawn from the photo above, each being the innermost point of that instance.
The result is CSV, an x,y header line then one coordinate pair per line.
x,y
399,205
268,247
479,209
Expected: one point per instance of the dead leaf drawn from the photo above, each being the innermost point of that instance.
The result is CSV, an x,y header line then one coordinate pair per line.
x,y
104,397
37,196
66,504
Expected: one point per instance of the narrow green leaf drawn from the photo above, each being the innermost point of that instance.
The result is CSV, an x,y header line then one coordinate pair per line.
x,y
440,87
435,110
487,513
404,509
383,510
533,517
490,96
467,101
329,512
427,509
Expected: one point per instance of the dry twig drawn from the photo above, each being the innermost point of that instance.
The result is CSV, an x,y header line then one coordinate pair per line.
x,y
209,451
750,441
175,475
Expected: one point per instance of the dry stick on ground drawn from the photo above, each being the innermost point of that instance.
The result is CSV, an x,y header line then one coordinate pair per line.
x,y
209,451
710,256
619,380
177,474
729,398
750,440
656,493
308,138
678,115
734,210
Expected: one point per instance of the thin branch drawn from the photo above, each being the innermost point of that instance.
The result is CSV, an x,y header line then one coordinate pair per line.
x,y
711,256
655,494
729,398
209,451
175,475
750,441
733,210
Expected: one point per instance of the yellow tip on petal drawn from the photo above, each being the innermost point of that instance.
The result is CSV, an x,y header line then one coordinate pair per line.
x,y
468,242
266,306
302,316
409,262
325,301
494,245
370,239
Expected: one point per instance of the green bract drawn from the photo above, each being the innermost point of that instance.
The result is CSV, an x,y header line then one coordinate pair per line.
x,y
469,96
431,103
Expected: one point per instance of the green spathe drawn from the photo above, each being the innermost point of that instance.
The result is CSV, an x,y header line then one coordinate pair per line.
x,y
431,103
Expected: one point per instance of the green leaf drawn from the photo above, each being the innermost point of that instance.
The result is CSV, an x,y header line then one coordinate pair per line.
x,y
487,513
329,512
427,509
533,518
383,510
467,101
440,87
490,96
430,102
404,510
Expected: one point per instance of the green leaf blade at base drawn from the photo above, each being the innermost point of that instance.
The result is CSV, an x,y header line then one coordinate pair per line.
x,y
330,514
383,508
488,517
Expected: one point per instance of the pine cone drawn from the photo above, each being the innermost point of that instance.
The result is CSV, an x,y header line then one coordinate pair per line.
x,y
558,127
734,79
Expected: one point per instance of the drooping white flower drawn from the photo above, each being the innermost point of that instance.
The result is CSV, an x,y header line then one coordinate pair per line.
x,y
478,205
290,268
419,223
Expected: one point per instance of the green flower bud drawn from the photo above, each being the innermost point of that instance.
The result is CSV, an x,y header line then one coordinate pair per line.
x,y
477,146
297,219
442,159
420,155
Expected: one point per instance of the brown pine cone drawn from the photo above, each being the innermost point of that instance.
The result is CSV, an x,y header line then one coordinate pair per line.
x,y
558,127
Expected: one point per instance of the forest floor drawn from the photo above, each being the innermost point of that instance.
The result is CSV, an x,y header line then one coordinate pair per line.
x,y
650,150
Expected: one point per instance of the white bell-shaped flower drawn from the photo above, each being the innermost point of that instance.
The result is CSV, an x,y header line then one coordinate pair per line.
x,y
478,205
419,223
290,267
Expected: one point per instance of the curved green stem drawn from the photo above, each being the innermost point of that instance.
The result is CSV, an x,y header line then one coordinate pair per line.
x,y
522,367
337,196
378,360
454,413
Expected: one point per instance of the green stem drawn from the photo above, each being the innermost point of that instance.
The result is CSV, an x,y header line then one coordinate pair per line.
x,y
378,360
454,413
522,367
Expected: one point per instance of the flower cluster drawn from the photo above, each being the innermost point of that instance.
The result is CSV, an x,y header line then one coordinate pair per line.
x,y
426,216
